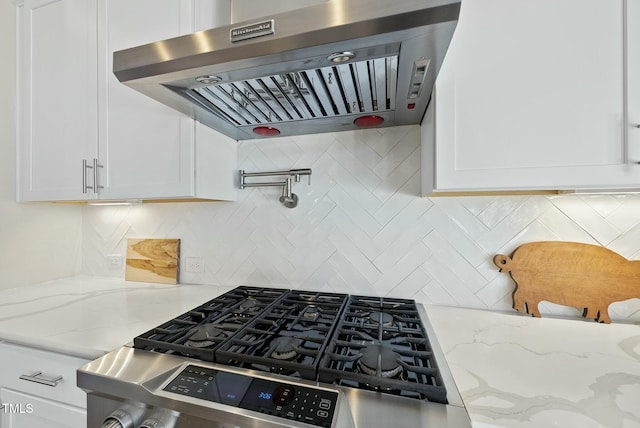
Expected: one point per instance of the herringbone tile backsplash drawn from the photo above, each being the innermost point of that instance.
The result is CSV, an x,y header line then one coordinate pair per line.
x,y
361,228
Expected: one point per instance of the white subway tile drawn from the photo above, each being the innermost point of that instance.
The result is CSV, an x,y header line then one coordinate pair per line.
x,y
361,228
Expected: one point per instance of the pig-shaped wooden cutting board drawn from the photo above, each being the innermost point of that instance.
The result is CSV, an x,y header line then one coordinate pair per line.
x,y
571,274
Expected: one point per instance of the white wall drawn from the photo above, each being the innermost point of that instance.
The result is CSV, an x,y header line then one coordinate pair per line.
x,y
361,227
37,242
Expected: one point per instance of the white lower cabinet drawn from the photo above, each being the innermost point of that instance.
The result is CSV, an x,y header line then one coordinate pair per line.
x,y
38,389
29,411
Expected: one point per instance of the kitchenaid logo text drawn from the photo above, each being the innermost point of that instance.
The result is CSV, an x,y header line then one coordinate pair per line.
x,y
16,408
254,30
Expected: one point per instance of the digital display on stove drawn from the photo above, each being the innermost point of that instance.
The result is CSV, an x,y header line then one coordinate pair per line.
x,y
309,405
260,395
210,385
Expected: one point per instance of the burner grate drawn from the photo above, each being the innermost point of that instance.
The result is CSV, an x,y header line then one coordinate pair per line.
x,y
289,338
381,344
362,342
198,332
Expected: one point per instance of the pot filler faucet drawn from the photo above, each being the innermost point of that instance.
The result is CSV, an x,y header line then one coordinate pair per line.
x,y
288,198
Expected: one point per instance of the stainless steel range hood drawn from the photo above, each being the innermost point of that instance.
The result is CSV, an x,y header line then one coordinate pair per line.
x,y
340,65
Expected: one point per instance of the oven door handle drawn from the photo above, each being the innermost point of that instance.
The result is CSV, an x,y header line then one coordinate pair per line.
x,y
35,377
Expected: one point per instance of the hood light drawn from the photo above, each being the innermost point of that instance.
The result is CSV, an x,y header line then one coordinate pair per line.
x,y
266,131
339,57
367,121
209,80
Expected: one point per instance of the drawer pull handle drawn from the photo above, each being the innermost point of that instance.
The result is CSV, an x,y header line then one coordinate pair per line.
x,y
35,377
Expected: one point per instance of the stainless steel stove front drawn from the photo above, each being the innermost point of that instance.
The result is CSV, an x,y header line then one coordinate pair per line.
x,y
132,388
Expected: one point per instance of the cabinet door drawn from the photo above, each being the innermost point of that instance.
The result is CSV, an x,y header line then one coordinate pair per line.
x,y
17,361
147,148
633,78
29,411
57,87
531,97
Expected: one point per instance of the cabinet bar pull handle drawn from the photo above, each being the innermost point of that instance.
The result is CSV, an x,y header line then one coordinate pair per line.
x,y
95,167
42,380
85,186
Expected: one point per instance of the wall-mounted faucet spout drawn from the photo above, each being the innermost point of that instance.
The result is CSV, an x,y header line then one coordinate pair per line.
x,y
288,198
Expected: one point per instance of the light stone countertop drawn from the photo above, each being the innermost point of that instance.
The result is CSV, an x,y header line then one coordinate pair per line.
x,y
89,316
523,372
511,370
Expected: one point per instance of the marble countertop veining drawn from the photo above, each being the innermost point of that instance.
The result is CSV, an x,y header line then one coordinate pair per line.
x,y
88,316
511,370
523,372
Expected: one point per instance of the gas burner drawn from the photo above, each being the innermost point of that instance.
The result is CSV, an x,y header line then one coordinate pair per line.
x,y
310,335
311,313
375,355
248,306
379,388
284,347
383,318
204,335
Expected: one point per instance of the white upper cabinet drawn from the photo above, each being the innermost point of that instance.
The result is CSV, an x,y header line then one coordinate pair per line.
x,y
57,99
142,143
134,147
149,150
633,78
531,96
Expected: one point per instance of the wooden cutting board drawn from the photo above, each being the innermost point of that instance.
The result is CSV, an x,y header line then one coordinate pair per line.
x,y
585,276
152,260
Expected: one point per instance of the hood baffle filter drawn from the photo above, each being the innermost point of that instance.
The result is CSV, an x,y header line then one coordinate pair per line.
x,y
360,87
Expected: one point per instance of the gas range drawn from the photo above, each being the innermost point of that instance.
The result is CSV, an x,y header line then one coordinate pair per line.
x,y
279,358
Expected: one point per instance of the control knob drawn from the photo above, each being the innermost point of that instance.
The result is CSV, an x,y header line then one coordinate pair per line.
x,y
126,416
161,418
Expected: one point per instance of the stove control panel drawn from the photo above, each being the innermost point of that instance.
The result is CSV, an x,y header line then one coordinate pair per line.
x,y
301,403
